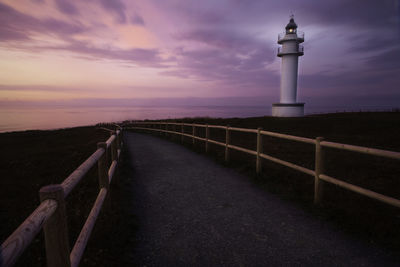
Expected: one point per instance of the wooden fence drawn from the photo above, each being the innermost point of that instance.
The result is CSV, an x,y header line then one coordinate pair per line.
x,y
51,215
319,144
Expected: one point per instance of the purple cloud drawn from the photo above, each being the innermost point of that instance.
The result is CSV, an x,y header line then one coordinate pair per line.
x,y
138,56
387,60
222,39
117,7
362,14
232,58
10,30
15,25
66,7
11,35
60,27
377,76
137,20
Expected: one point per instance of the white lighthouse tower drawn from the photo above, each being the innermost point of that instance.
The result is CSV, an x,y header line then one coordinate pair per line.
x,y
289,52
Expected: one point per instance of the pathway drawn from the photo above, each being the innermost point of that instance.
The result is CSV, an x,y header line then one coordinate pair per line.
x,y
194,212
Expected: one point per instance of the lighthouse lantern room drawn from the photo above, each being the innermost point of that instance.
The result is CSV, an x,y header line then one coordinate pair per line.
x,y
289,52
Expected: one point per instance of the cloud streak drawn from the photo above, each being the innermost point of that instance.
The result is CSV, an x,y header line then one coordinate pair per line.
x,y
18,26
66,7
229,57
142,57
117,7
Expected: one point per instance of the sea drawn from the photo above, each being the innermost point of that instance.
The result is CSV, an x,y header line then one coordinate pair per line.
x,y
34,118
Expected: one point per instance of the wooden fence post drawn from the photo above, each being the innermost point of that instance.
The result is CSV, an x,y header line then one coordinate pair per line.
x,y
55,228
118,139
182,131
102,167
227,140
259,151
319,169
194,134
114,148
207,137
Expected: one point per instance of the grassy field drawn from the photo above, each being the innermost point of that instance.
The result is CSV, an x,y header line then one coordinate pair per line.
x,y
360,216
32,159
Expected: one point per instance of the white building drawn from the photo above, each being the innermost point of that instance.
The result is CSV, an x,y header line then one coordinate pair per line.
x,y
289,52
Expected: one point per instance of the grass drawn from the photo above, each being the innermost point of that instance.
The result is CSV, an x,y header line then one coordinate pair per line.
x,y
360,216
32,159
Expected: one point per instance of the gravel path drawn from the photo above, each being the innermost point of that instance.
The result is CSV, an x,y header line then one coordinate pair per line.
x,y
194,212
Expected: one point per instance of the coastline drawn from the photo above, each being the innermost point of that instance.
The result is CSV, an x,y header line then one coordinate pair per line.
x,y
49,118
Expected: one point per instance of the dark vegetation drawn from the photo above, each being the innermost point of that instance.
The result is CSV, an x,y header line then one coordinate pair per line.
x,y
32,159
360,216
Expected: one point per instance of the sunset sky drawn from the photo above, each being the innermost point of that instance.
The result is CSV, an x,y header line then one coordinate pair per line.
x,y
94,50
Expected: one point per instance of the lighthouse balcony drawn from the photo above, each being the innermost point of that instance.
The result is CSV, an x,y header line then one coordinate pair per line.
x,y
299,51
283,37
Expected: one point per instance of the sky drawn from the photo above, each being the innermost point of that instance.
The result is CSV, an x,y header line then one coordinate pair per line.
x,y
94,51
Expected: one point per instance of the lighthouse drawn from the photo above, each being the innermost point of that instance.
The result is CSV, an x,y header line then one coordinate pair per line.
x,y
289,52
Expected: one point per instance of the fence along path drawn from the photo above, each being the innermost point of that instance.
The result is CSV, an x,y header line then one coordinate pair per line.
x,y
319,143
51,215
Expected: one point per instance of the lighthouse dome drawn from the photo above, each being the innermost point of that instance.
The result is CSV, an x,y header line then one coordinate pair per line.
x,y
291,26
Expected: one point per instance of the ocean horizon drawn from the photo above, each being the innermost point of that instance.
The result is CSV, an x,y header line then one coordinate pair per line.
x,y
48,118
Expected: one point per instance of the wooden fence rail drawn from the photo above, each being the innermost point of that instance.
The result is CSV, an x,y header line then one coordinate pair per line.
x,y
319,143
50,214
